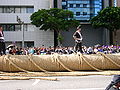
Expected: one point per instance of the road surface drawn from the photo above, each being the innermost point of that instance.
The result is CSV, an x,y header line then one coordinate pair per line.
x,y
93,82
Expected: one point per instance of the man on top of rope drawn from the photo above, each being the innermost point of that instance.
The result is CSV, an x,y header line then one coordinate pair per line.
x,y
78,39
115,84
2,43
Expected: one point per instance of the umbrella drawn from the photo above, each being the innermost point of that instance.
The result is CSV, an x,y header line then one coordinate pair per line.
x,y
11,46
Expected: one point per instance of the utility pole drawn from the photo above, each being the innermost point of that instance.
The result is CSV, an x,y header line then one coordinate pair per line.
x,y
22,25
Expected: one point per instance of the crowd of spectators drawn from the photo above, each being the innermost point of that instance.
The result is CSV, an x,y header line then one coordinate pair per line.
x,y
107,49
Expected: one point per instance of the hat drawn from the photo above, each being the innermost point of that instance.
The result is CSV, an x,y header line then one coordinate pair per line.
x,y
79,27
116,79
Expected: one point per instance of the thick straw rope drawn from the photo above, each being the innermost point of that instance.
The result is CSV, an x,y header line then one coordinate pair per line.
x,y
2,61
7,58
56,62
28,78
31,59
109,59
87,61
9,63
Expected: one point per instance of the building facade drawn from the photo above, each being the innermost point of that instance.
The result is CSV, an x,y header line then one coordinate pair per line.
x,y
83,10
11,9
117,3
116,37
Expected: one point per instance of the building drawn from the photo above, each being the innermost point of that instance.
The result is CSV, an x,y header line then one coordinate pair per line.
x,y
117,3
32,36
116,37
83,11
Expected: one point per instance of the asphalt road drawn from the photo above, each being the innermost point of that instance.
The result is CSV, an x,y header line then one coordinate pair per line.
x,y
93,82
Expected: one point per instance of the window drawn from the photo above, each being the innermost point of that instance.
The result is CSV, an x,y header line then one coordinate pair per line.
x,y
78,5
11,10
71,5
29,44
1,10
29,10
64,7
85,5
17,28
77,13
23,10
16,9
7,10
4,28
14,27
9,28
84,13
25,27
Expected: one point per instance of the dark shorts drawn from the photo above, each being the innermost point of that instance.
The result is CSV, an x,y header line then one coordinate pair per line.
x,y
2,47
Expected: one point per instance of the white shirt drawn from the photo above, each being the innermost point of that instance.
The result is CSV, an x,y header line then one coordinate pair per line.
x,y
1,35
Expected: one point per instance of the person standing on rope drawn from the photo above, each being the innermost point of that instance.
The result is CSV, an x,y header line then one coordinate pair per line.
x,y
2,43
115,84
78,39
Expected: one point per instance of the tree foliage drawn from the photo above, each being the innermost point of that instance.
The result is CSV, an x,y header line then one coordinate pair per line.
x,y
108,18
54,19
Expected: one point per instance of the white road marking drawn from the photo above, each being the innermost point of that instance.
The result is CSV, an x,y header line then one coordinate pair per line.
x,y
36,81
3,81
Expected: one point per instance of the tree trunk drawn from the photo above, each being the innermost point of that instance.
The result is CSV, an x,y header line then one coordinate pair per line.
x,y
111,37
55,39
60,38
115,37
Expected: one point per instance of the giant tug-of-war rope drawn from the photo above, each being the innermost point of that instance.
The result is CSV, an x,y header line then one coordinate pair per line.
x,y
58,65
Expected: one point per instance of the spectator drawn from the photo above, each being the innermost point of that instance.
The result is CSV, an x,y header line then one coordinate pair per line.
x,y
2,42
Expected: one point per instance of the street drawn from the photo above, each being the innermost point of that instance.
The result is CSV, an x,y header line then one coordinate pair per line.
x,y
93,82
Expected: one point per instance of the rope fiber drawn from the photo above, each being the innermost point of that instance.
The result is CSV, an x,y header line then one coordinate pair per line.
x,y
56,62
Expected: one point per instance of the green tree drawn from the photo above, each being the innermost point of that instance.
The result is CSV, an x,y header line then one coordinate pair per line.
x,y
108,18
54,19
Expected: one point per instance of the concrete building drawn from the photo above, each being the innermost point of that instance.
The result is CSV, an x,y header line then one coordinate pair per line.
x,y
83,10
10,9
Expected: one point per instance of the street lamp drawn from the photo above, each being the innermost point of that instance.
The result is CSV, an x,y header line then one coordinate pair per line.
x,y
22,25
